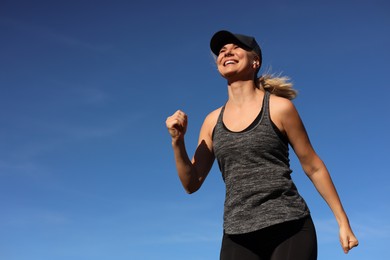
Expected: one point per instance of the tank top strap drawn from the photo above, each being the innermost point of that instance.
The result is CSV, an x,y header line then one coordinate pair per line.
x,y
220,117
219,123
266,113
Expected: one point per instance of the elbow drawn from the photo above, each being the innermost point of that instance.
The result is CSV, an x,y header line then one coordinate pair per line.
x,y
312,166
310,171
191,189
192,185
189,192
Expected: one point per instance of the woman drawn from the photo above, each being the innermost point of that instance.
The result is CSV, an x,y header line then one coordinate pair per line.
x,y
264,215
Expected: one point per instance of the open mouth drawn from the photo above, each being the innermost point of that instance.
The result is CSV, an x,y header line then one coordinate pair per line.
x,y
228,62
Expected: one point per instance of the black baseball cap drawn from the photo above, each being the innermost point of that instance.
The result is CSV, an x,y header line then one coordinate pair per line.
x,y
223,37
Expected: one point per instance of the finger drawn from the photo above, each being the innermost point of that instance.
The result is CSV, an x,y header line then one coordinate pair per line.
x,y
182,117
345,245
171,121
175,125
353,243
178,115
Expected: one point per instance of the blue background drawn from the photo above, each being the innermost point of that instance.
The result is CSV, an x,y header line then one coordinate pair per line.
x,y
86,165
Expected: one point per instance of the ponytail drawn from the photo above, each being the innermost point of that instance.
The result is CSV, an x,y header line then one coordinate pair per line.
x,y
280,86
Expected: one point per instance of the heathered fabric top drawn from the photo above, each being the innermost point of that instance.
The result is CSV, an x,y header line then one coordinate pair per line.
x,y
256,171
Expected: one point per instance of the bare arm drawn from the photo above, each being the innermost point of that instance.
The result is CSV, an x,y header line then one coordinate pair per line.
x,y
316,170
192,173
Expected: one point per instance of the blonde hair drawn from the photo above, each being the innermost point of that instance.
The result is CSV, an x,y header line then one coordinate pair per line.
x,y
279,85
275,84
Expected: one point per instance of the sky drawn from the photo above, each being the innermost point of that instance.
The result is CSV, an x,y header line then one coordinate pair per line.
x,y
86,164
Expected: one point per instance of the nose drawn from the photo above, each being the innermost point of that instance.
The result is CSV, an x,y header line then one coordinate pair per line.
x,y
228,53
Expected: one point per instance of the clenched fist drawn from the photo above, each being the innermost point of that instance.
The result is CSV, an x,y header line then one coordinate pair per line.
x,y
177,124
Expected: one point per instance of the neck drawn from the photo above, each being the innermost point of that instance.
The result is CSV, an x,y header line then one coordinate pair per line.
x,y
241,92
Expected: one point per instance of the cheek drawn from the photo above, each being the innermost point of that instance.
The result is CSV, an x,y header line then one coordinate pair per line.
x,y
218,63
218,59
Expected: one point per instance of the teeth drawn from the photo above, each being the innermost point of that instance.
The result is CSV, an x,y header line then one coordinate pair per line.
x,y
229,62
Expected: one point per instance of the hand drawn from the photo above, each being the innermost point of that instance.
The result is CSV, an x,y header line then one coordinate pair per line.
x,y
347,239
177,124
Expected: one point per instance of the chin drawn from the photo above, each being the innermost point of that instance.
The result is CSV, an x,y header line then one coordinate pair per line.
x,y
228,74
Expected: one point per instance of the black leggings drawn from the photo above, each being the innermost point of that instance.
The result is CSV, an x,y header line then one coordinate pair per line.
x,y
293,240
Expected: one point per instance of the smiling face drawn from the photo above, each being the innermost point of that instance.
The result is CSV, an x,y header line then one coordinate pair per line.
x,y
236,63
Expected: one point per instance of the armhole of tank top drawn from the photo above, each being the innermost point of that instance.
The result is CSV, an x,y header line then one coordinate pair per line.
x,y
277,131
213,133
218,121
282,136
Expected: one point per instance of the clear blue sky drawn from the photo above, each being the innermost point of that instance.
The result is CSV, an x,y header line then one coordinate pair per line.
x,y
86,167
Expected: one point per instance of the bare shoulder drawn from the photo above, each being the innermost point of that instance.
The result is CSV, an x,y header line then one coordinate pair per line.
x,y
212,117
281,104
211,120
282,111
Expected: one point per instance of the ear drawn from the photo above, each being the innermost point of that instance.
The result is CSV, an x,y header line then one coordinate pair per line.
x,y
256,62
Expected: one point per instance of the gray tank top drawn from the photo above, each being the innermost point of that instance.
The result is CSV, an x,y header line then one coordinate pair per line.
x,y
256,170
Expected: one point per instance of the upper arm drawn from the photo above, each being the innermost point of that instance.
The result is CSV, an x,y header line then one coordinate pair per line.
x,y
295,131
204,156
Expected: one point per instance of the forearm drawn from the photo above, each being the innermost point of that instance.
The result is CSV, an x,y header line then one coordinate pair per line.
x,y
185,168
325,186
